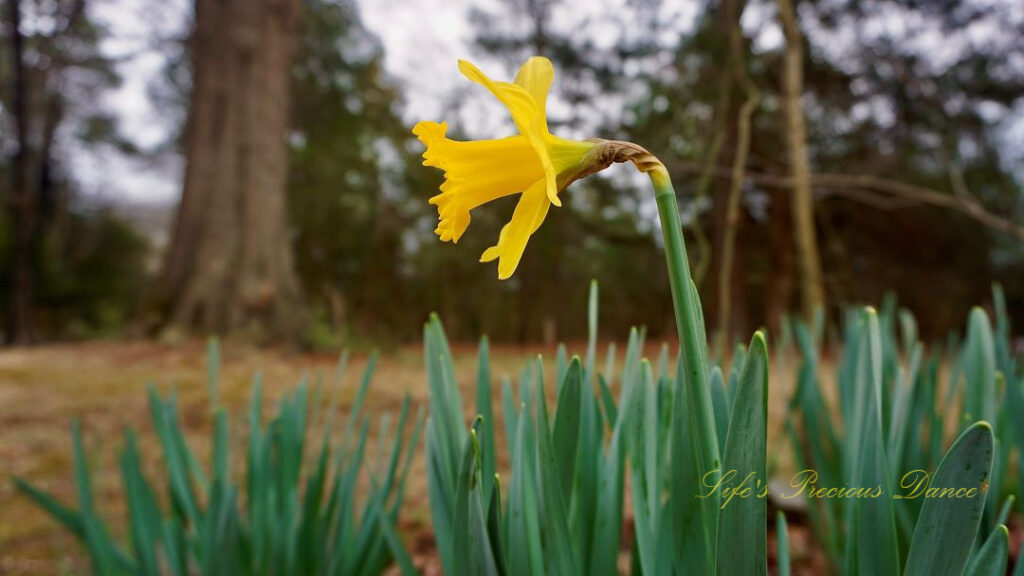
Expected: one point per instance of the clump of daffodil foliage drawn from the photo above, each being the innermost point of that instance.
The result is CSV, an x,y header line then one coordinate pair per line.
x,y
691,440
623,424
335,512
898,440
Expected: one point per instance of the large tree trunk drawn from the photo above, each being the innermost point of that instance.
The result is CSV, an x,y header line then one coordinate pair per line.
x,y
230,267
812,287
22,206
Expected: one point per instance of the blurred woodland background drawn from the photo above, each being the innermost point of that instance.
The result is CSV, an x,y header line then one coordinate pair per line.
x,y
826,152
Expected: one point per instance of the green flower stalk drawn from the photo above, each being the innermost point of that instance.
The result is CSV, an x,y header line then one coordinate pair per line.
x,y
690,327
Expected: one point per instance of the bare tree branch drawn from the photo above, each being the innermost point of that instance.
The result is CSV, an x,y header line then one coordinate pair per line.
x,y
879,192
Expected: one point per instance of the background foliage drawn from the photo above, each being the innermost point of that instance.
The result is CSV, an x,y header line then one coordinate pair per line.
x,y
896,95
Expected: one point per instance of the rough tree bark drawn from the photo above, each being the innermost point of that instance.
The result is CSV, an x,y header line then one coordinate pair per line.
x,y
812,286
229,268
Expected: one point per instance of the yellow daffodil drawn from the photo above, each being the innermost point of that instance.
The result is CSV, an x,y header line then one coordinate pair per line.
x,y
534,162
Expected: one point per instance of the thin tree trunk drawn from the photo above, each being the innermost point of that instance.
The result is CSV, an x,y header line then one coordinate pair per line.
x,y
732,217
22,205
230,267
724,150
38,111
702,260
812,287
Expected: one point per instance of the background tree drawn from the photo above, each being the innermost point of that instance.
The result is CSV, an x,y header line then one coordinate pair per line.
x,y
58,250
885,114
230,265
892,112
812,287
349,204
301,170
700,110
22,200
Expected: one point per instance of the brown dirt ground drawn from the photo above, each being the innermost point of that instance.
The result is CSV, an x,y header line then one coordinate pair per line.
x,y
102,384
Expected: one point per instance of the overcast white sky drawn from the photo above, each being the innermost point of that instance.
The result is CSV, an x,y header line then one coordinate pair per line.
x,y
422,41
423,56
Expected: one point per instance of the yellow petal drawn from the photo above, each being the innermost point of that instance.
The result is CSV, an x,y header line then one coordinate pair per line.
x,y
518,101
492,253
476,172
539,143
536,76
528,117
478,161
551,185
529,214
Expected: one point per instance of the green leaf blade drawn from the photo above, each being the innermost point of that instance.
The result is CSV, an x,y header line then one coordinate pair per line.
x,y
946,528
744,519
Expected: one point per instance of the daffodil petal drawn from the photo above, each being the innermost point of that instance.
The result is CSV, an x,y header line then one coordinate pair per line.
x,y
518,101
536,76
528,117
550,184
535,162
492,253
529,214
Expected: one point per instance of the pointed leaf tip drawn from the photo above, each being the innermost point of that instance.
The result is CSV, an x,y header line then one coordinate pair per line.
x,y
760,341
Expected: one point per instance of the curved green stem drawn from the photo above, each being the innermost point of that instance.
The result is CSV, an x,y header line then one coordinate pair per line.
x,y
693,343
